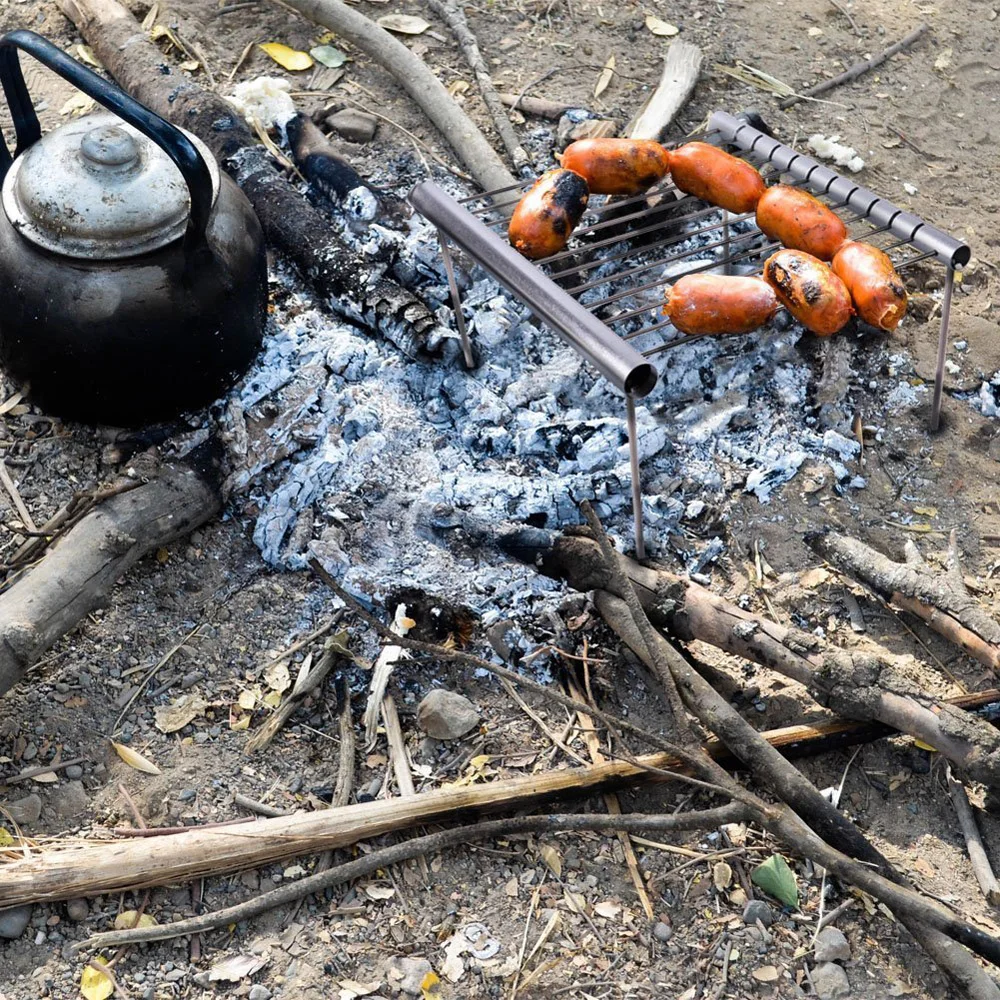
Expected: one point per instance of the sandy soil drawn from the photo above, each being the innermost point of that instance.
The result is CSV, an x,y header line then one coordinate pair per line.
x,y
927,119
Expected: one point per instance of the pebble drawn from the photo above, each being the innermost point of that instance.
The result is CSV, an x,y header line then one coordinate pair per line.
x,y
202,979
74,772
756,910
446,715
832,946
830,981
13,921
26,810
71,800
407,974
662,932
175,975
77,910
187,795
259,992
355,126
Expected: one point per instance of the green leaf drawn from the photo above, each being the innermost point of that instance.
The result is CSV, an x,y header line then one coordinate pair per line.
x,y
329,56
776,879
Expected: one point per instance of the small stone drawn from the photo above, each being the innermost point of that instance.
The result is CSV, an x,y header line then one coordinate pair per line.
x,y
71,800
175,975
74,772
187,795
446,715
355,126
25,811
407,974
662,932
832,946
13,921
830,981
756,910
77,909
202,979
259,992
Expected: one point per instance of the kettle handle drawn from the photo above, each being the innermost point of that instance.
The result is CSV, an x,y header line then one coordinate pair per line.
x,y
168,137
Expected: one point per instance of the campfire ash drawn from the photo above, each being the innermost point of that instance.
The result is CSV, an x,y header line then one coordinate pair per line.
x,y
395,471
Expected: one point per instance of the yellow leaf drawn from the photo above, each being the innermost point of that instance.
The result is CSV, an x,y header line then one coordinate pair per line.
x,y
277,676
78,104
94,985
430,986
86,54
272,699
6,840
238,725
128,919
660,27
924,746
287,58
135,759
247,700
926,511
605,78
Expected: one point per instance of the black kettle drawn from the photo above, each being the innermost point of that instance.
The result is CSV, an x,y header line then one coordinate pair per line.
x,y
133,277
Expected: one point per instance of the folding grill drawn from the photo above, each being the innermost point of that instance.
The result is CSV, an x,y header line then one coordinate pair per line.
x,y
636,246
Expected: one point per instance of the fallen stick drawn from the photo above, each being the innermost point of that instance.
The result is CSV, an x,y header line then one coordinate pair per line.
x,y
859,685
413,75
973,840
858,69
340,276
89,869
451,12
80,570
541,107
416,847
681,68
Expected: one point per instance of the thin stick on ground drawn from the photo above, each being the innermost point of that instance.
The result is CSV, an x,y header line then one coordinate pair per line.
x,y
981,867
858,69
453,15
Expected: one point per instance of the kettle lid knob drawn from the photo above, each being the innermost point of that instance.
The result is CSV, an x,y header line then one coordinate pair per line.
x,y
109,146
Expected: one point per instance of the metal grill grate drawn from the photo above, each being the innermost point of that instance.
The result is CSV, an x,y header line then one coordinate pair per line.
x,y
604,293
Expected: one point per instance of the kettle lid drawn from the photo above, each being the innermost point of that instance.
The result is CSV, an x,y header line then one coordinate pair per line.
x,y
98,189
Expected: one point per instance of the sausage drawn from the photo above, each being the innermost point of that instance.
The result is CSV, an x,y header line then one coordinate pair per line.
x,y
799,221
716,303
715,176
547,214
809,290
617,166
875,287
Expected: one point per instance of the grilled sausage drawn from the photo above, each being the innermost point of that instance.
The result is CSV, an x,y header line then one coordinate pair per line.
x,y
715,176
875,287
617,166
547,214
810,291
720,304
799,221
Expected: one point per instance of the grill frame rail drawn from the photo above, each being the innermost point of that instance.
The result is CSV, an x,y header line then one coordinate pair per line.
x,y
471,225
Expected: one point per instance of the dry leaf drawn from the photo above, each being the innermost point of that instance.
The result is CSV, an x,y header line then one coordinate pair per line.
x,y
943,61
237,723
247,700
661,27
607,909
78,104
232,970
128,919
176,715
48,778
722,876
351,988
287,58
430,986
926,511
924,867
552,859
94,985
379,891
458,89
278,677
328,56
272,699
511,888
605,78
766,974
86,54
814,577
404,24
135,759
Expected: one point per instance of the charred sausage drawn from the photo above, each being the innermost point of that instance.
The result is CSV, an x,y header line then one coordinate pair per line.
x,y
810,291
547,214
715,176
799,221
617,166
720,304
875,287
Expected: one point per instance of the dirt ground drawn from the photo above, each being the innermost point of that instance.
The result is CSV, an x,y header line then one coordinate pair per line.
x,y
212,610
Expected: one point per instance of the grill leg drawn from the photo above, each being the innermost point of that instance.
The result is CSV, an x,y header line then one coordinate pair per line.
x,y
726,252
949,287
456,300
633,454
